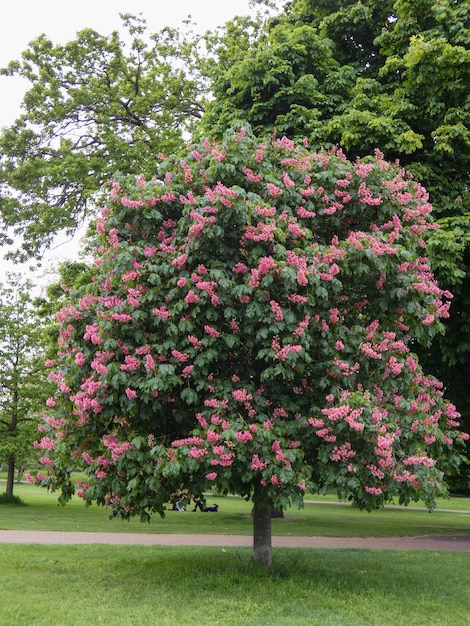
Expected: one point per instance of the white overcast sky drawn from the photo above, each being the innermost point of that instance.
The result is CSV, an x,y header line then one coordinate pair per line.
x,y
21,21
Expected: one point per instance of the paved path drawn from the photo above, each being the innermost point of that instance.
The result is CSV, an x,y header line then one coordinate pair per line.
x,y
454,543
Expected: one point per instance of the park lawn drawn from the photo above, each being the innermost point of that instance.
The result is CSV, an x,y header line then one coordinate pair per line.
x,y
145,586
315,519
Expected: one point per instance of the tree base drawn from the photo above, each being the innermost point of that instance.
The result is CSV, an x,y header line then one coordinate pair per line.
x,y
262,547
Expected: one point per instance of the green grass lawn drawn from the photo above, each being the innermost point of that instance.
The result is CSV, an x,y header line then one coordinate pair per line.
x,y
157,586
327,518
81,585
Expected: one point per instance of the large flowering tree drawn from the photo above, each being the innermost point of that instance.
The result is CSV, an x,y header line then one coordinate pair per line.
x,y
251,329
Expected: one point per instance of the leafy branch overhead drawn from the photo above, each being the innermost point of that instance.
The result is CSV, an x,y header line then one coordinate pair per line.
x,y
95,105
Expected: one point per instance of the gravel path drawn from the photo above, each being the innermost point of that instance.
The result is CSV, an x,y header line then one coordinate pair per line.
x,y
454,543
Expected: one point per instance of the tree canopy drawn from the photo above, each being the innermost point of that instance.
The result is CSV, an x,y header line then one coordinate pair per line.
x,y
392,75
23,376
250,328
96,105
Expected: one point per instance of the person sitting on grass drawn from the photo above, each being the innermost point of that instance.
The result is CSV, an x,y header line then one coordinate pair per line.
x,y
211,509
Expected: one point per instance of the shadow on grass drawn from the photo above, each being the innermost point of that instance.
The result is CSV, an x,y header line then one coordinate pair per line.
x,y
162,585
15,500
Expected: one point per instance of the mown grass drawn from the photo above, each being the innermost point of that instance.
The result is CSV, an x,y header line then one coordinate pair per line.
x,y
140,586
325,519
84,585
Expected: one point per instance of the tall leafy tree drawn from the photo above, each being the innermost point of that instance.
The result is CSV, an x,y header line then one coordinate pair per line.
x,y
388,74
96,105
24,385
250,328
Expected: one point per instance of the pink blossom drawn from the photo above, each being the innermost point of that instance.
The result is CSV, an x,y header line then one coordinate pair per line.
x,y
244,436
240,268
80,358
420,460
178,443
213,332
242,395
149,363
274,190
130,275
131,363
213,437
121,317
295,297
180,261
256,464
211,475
251,176
161,312
202,420
288,182
343,452
192,297
276,309
284,352
130,393
364,169
295,229
180,356
87,458
197,343
186,373
428,319
234,326
197,453
302,327
45,444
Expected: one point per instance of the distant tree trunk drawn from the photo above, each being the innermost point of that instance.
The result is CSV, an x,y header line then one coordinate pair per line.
x,y
262,547
10,475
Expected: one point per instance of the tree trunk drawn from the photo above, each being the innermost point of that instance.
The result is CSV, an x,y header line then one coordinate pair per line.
x,y
262,547
10,475
275,514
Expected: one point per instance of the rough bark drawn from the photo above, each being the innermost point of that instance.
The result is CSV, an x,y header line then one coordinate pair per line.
x,y
262,546
10,475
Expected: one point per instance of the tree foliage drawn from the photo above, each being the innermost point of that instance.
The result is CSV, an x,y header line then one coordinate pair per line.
x,y
390,74
23,376
96,105
250,329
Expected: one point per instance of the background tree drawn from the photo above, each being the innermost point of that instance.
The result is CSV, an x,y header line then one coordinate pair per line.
x,y
23,376
250,329
394,75
96,105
